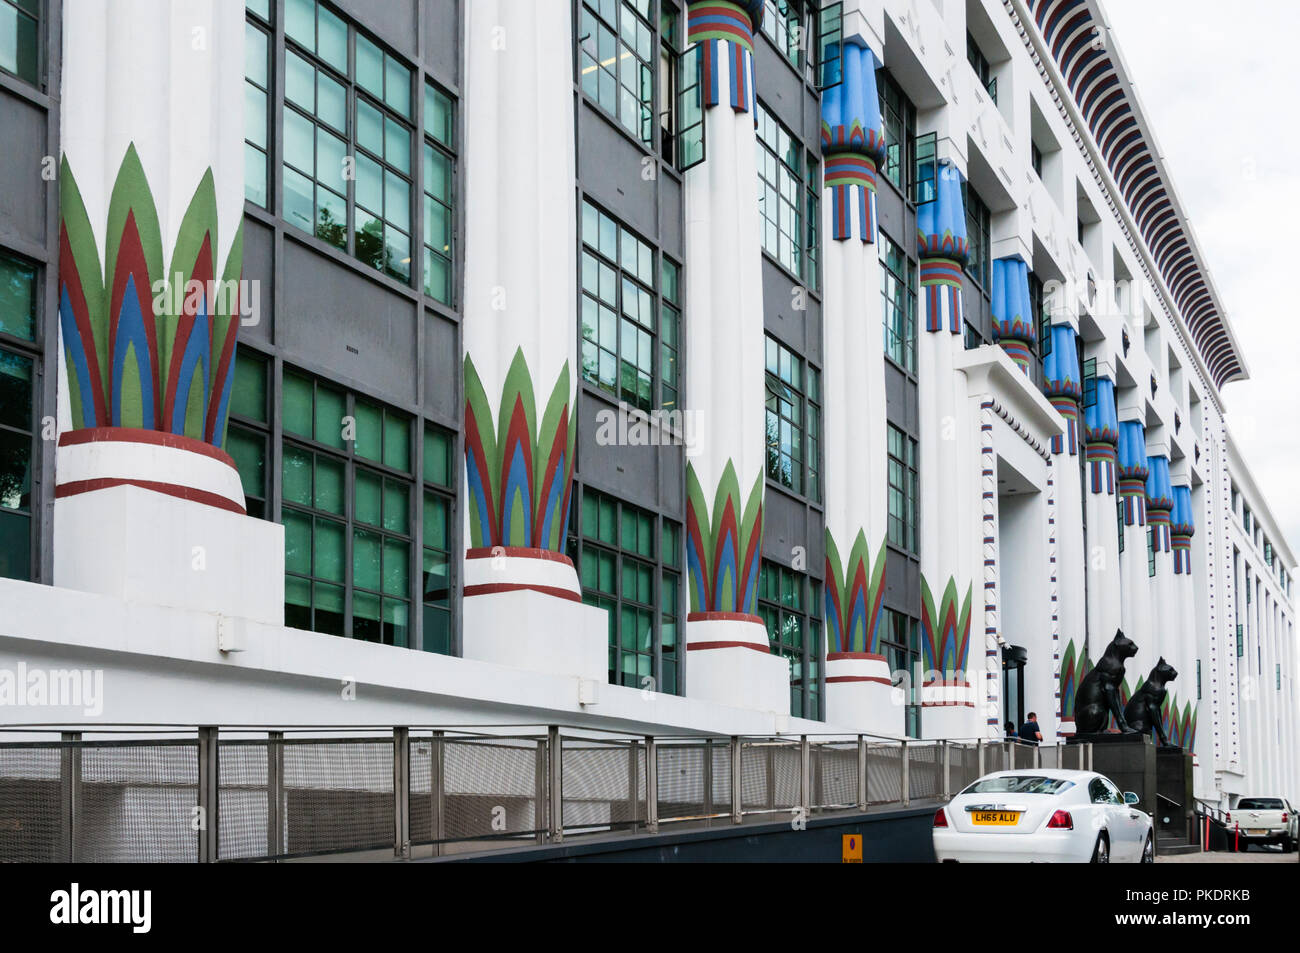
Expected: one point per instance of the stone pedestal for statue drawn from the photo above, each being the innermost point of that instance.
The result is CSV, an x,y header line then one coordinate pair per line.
x,y
1161,777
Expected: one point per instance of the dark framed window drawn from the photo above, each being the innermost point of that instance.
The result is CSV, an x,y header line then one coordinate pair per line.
x,y
1119,522
980,65
623,318
258,46
1151,551
1036,159
1042,317
900,643
630,565
785,25
789,602
437,513
898,116
439,193
19,372
20,31
348,137
616,57
925,171
670,45
248,434
828,65
898,303
347,496
788,185
1198,679
978,220
903,485
793,421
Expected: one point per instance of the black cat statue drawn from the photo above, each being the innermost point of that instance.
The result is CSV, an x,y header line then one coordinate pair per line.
x,y
1098,696
1143,710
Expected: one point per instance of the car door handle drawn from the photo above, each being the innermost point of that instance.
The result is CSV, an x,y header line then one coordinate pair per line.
x,y
1134,814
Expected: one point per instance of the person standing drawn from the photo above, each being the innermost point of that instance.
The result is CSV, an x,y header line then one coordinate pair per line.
x,y
1030,733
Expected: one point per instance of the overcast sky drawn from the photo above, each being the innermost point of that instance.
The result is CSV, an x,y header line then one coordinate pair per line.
x,y
1218,85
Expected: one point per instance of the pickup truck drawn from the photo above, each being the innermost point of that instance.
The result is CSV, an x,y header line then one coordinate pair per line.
x,y
1263,820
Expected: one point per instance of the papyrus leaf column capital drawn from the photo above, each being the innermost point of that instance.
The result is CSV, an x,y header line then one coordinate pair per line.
x,y
942,248
853,145
1101,437
1133,471
1063,385
1160,500
1182,527
1013,311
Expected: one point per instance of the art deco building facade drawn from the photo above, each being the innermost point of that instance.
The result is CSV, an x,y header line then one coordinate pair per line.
x,y
658,365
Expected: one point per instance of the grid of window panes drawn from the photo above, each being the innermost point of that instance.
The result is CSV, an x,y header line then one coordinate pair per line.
x,y
257,98
629,565
20,51
900,643
439,193
346,510
902,478
18,365
793,420
439,454
615,61
787,187
620,321
347,139
977,235
898,116
898,303
248,434
789,604
670,24
783,24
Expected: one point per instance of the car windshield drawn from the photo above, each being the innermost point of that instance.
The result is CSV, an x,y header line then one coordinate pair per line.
x,y
1260,804
1019,784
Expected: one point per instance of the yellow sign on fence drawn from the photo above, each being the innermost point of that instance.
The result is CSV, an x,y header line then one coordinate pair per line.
x,y
851,849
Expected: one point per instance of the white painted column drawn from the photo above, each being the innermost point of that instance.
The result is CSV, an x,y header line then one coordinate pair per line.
x,y
858,678
520,309
728,657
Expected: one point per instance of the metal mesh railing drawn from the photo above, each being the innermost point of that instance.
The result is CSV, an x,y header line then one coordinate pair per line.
x,y
834,775
604,784
136,802
267,796
770,776
34,786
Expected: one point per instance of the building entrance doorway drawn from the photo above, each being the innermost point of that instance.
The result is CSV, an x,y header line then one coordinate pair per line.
x,y
1013,685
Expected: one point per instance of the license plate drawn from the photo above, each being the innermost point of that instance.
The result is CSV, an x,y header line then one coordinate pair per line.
x,y
1256,831
995,818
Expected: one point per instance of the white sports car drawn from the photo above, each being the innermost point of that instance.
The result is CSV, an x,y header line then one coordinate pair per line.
x,y
1043,815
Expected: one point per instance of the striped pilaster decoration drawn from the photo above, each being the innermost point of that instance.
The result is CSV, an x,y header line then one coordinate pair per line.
x,y
1158,520
989,514
941,294
1068,407
1133,494
1101,458
1182,546
852,180
1054,588
725,32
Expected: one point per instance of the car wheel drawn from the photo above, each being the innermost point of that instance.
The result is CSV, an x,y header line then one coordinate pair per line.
x,y
1287,845
1101,853
1149,851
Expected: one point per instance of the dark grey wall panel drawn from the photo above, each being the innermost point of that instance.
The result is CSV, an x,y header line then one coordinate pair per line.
x,y
392,21
892,216
609,168
259,266
779,88
441,23
22,190
442,370
671,214
628,472
788,523
902,583
340,320
799,330
901,400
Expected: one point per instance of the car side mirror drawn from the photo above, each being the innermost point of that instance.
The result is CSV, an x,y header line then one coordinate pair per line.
x,y
1130,798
